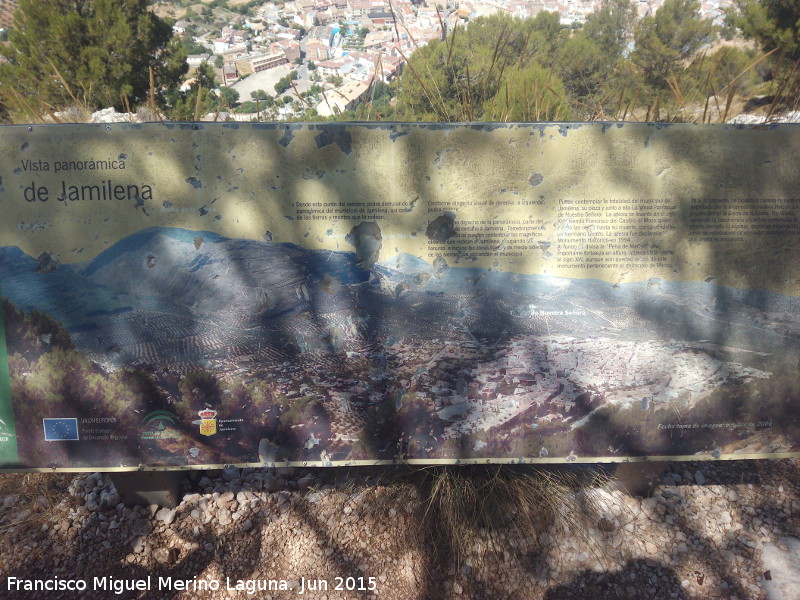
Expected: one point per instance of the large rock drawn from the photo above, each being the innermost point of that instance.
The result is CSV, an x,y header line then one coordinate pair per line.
x,y
166,515
781,569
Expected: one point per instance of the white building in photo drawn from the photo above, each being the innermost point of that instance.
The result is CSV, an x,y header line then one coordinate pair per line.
x,y
343,98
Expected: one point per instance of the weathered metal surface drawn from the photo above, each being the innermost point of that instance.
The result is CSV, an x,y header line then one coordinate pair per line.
x,y
182,295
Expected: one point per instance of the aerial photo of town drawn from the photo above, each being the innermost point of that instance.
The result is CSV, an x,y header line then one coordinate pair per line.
x,y
321,58
189,347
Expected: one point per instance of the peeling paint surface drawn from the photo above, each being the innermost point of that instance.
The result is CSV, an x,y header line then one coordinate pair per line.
x,y
427,292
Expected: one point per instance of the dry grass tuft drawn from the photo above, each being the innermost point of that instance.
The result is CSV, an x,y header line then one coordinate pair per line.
x,y
33,485
470,513
39,497
475,507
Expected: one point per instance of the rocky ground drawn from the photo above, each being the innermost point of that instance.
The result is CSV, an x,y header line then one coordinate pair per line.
x,y
706,530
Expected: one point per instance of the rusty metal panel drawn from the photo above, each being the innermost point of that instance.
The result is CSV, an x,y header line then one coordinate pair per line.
x,y
186,295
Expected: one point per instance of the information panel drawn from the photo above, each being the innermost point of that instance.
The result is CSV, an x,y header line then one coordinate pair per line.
x,y
178,295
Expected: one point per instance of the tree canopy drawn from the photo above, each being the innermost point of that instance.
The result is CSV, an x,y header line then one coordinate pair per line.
x,y
229,96
611,27
774,24
199,100
667,39
530,93
98,52
457,79
589,61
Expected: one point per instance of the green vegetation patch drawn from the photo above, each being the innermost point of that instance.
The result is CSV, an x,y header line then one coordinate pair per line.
x,y
8,442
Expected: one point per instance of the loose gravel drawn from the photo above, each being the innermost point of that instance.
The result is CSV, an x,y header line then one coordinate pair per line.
x,y
707,530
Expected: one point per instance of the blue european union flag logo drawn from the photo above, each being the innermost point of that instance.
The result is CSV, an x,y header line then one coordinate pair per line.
x,y
60,430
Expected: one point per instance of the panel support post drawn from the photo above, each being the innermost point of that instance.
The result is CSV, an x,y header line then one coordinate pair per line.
x,y
638,478
149,487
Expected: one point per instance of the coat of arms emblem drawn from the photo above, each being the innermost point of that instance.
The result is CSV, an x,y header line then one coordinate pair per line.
x,y
208,422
